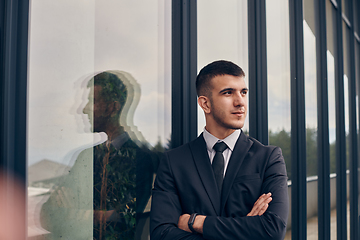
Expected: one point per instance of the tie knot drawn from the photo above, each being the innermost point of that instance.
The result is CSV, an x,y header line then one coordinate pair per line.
x,y
220,147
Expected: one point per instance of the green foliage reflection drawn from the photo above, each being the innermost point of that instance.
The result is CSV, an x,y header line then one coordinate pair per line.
x,y
283,140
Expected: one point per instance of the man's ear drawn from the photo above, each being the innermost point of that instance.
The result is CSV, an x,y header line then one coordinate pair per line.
x,y
113,108
204,103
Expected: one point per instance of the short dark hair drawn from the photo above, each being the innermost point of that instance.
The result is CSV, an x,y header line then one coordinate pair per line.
x,y
216,68
112,88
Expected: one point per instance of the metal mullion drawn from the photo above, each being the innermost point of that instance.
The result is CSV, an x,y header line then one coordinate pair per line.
x,y
258,112
358,80
14,91
2,69
298,130
324,206
353,181
340,129
13,138
184,70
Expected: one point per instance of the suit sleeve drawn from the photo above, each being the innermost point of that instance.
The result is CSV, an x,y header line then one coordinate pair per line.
x,y
272,224
166,207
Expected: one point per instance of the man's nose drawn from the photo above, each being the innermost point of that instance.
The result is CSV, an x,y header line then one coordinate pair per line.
x,y
86,109
239,100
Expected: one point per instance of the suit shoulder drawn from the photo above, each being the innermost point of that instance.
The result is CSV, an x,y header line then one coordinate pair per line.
x,y
178,150
258,144
198,142
266,152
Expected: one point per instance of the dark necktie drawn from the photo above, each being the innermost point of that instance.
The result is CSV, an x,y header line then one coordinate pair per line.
x,y
218,163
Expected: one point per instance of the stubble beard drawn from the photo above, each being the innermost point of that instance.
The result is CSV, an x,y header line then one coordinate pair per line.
x,y
219,116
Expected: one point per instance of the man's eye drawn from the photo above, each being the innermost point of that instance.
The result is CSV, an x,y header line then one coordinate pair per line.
x,y
227,92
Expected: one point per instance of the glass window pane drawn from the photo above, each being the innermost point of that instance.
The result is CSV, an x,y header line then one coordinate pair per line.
x,y
356,16
231,22
311,118
99,115
346,87
357,74
347,78
278,60
345,7
278,67
330,29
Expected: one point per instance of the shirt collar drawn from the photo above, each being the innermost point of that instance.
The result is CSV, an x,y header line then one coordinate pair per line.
x,y
120,140
229,140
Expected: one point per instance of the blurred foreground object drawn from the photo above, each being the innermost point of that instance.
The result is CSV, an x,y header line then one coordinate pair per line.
x,y
12,208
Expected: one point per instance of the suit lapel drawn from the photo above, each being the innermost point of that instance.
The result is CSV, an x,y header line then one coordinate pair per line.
x,y
203,165
241,148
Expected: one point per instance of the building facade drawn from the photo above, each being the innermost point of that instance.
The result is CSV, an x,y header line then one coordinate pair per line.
x,y
301,60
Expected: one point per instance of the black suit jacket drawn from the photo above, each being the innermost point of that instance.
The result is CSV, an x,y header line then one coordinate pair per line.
x,y
185,183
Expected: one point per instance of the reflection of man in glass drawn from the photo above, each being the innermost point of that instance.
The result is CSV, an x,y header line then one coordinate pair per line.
x,y
122,171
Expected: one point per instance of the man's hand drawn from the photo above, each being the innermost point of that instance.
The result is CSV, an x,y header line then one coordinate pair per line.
x,y
183,222
261,205
64,198
103,215
198,223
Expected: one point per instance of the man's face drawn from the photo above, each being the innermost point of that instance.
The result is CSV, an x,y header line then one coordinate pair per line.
x,y
96,110
228,102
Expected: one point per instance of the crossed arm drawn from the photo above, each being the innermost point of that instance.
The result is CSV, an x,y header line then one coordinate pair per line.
x,y
258,209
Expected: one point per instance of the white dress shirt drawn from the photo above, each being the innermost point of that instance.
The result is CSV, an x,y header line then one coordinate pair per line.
x,y
230,141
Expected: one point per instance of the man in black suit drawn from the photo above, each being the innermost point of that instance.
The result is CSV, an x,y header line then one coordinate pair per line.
x,y
239,190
